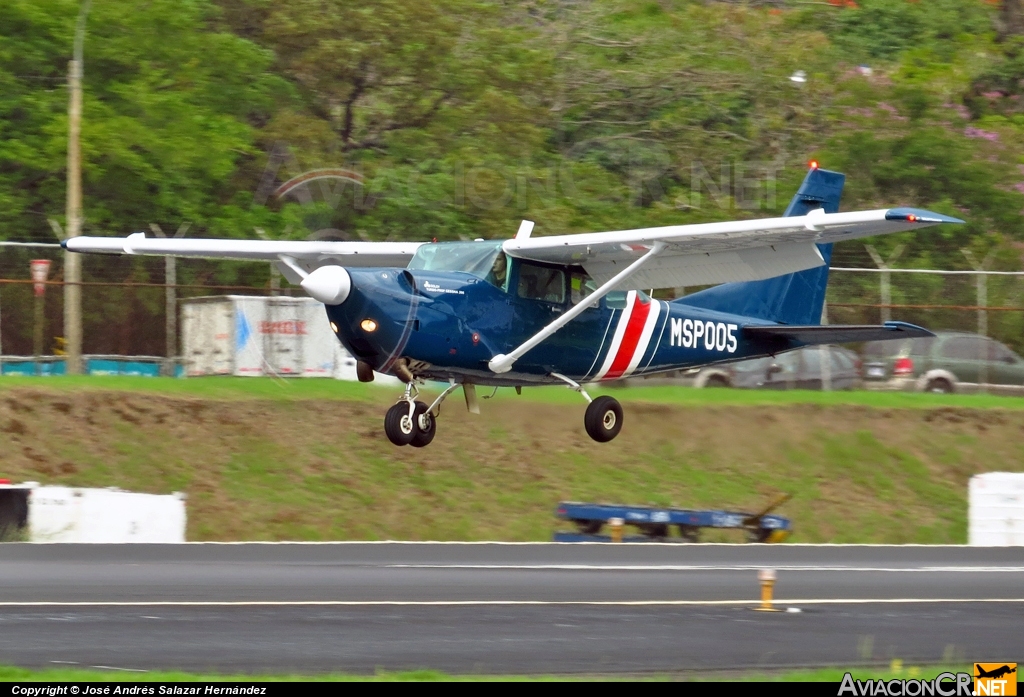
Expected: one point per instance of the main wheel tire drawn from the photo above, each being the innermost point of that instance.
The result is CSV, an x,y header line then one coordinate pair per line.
x,y
939,386
398,426
426,426
603,419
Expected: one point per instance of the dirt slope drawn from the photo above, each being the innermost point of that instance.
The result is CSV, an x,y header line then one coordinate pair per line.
x,y
319,470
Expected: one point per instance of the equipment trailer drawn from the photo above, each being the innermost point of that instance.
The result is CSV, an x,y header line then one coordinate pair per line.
x,y
654,523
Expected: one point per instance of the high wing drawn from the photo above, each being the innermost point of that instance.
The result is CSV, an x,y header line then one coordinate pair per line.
x,y
710,253
308,255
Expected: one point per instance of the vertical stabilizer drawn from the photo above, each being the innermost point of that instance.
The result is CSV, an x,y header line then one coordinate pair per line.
x,y
796,298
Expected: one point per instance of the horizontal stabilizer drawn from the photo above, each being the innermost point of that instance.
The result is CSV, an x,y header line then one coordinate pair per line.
x,y
836,334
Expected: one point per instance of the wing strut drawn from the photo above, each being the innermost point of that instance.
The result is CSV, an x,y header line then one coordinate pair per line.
x,y
502,363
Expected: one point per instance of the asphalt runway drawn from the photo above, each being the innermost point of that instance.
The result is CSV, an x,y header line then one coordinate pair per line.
x,y
503,608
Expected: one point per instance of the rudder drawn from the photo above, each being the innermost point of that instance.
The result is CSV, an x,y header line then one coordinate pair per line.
x,y
795,298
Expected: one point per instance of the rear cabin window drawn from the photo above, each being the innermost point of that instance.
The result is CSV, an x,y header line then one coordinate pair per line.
x,y
616,300
998,352
841,361
541,283
922,346
965,348
886,349
789,362
812,360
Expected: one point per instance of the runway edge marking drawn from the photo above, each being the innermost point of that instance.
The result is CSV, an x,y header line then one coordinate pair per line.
x,y
707,567
457,603
500,543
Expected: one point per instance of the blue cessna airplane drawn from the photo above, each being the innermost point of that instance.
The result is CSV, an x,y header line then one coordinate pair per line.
x,y
569,309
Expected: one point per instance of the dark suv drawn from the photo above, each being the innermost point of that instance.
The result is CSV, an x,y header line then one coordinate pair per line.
x,y
947,362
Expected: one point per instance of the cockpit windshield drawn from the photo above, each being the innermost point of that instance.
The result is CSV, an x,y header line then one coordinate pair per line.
x,y
477,258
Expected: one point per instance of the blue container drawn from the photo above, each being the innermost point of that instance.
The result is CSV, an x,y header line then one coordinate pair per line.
x,y
93,366
107,366
45,368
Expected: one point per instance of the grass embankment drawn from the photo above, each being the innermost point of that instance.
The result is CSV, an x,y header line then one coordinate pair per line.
x,y
308,460
829,675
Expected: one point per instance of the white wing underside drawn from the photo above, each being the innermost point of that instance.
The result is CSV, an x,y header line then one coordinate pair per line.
x,y
308,255
709,253
691,255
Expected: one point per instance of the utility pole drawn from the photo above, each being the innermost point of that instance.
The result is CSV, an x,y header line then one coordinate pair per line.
x,y
170,298
825,355
885,288
72,261
981,280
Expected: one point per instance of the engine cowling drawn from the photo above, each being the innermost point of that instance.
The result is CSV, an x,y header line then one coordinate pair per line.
x,y
330,285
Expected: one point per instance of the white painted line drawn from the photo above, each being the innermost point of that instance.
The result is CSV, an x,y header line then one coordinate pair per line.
x,y
709,567
496,543
475,603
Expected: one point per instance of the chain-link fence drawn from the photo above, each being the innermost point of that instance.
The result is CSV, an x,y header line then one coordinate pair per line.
x,y
125,300
988,302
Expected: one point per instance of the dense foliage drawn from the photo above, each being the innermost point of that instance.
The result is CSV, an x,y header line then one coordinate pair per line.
x,y
457,118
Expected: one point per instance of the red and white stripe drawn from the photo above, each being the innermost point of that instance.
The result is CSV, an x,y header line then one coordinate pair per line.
x,y
632,337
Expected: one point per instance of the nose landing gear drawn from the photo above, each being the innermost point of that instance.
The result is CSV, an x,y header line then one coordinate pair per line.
x,y
426,426
399,424
412,422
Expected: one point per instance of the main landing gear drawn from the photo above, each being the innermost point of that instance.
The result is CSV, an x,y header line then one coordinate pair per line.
x,y
603,419
412,422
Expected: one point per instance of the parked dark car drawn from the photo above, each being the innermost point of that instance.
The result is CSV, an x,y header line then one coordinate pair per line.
x,y
947,362
802,369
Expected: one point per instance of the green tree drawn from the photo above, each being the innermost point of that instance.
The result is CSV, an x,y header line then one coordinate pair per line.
x,y
169,112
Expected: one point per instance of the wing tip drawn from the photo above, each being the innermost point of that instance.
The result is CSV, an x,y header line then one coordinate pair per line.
x,y
920,215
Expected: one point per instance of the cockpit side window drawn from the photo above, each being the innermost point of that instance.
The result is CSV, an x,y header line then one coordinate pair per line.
x,y
580,285
541,283
477,258
498,275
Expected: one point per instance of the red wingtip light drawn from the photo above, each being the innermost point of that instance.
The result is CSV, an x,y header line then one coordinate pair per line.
x,y
813,164
911,217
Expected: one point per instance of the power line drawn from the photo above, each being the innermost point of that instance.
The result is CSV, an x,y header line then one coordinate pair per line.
x,y
937,272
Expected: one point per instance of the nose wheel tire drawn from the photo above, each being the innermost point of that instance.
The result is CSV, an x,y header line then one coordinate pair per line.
x,y
426,426
603,420
398,425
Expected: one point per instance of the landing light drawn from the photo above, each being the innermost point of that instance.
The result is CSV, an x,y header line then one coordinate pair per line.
x,y
334,327
368,325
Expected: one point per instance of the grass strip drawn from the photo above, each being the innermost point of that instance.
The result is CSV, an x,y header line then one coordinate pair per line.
x,y
825,675
301,389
